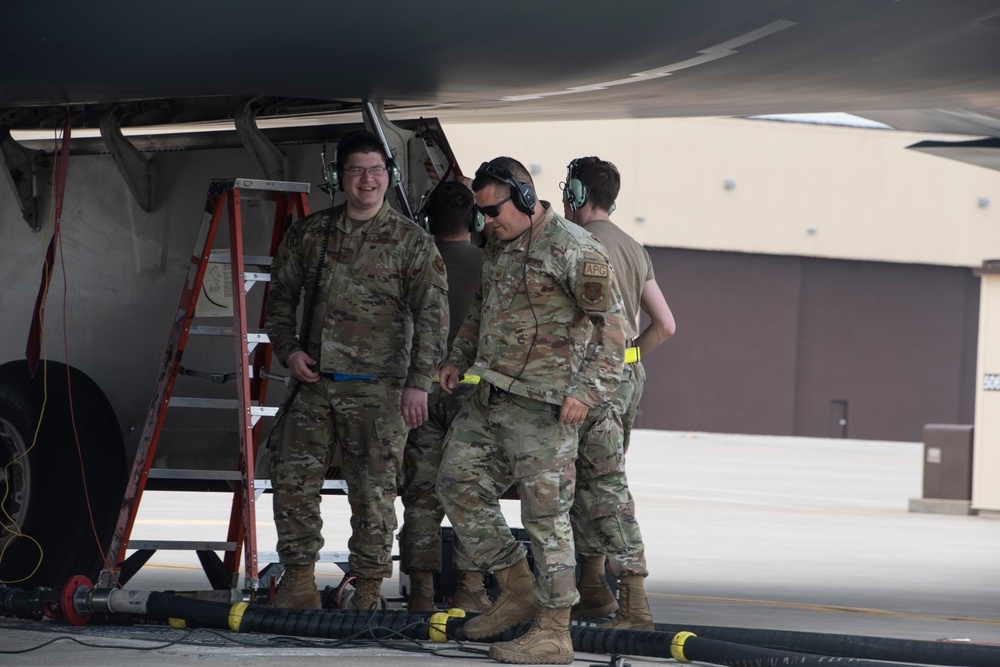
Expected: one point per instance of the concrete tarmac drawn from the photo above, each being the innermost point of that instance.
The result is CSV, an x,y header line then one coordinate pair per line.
x,y
740,531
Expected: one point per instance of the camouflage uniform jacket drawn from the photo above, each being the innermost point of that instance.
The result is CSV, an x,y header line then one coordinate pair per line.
x,y
382,307
567,339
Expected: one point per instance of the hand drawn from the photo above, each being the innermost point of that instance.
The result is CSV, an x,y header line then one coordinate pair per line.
x,y
572,412
449,377
414,406
302,366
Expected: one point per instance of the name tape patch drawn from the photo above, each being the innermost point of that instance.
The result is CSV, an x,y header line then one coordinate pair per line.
x,y
595,270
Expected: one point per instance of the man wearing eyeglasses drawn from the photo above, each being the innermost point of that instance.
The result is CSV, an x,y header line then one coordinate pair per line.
x,y
375,320
604,523
545,335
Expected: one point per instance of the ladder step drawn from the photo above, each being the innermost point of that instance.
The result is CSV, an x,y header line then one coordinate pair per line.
x,y
253,335
220,404
183,473
179,545
260,484
224,257
324,556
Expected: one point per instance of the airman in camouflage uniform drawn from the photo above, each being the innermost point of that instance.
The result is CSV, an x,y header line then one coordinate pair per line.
x,y
603,514
545,334
376,317
449,218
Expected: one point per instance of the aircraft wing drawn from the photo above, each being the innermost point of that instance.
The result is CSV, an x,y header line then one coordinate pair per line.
x,y
513,60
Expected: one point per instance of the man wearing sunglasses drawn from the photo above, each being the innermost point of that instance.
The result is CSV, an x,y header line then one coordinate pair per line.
x,y
545,334
603,512
375,319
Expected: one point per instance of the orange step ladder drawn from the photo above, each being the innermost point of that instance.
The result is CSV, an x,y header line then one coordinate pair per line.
x,y
251,387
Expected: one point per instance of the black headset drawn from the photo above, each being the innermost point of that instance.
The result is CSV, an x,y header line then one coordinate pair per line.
x,y
522,195
334,172
476,220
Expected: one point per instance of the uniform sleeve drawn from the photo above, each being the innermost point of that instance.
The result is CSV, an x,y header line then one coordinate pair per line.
x,y
593,286
464,348
427,294
283,295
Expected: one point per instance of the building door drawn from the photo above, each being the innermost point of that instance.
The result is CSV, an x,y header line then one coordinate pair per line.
x,y
838,418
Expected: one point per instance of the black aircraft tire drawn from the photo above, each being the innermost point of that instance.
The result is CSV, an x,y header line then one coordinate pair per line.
x,y
43,492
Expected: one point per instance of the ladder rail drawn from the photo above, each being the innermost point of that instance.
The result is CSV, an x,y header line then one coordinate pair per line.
x,y
164,388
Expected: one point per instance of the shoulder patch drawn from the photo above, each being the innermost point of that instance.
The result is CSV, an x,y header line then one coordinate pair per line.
x,y
439,264
595,269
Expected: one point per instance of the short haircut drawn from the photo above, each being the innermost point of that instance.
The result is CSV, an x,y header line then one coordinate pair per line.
x,y
504,164
360,141
602,180
449,208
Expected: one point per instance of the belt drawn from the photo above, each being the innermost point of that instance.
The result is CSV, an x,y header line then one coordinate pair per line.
x,y
462,379
631,355
344,377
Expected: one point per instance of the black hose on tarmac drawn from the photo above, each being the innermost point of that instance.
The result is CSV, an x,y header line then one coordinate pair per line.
x,y
677,642
851,646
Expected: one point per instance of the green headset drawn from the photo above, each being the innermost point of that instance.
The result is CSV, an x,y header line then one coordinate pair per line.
x,y
334,172
574,191
476,220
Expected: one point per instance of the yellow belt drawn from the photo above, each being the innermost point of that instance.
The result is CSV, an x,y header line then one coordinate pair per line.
x,y
631,355
462,379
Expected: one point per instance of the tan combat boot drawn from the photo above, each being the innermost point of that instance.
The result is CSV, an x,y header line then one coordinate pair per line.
x,y
367,594
297,588
470,593
517,603
633,614
421,596
596,598
548,642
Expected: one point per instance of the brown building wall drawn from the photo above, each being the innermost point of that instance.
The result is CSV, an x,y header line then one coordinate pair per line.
x,y
783,345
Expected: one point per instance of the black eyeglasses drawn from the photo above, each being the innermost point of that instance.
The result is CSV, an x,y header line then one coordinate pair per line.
x,y
493,210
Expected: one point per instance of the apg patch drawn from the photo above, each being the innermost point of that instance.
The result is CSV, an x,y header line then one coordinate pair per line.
x,y
595,270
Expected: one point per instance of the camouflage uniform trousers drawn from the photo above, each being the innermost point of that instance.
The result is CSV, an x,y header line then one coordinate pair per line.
x,y
539,454
363,418
603,511
420,536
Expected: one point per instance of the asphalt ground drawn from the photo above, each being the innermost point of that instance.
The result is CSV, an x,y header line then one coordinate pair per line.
x,y
741,531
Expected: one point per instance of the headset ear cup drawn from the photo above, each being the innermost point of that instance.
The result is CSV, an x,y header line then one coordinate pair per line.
x,y
394,174
579,193
476,221
523,197
333,175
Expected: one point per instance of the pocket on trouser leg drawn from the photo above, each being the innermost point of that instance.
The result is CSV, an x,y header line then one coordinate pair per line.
x,y
601,448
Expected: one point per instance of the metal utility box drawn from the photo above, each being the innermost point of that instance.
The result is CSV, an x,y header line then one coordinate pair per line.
x,y
948,461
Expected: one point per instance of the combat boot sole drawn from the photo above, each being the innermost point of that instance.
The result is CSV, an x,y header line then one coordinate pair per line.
x,y
537,647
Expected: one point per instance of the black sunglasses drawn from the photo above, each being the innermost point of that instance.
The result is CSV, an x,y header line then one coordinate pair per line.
x,y
493,210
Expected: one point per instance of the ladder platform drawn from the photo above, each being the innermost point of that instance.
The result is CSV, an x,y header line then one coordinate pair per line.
x,y
261,185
